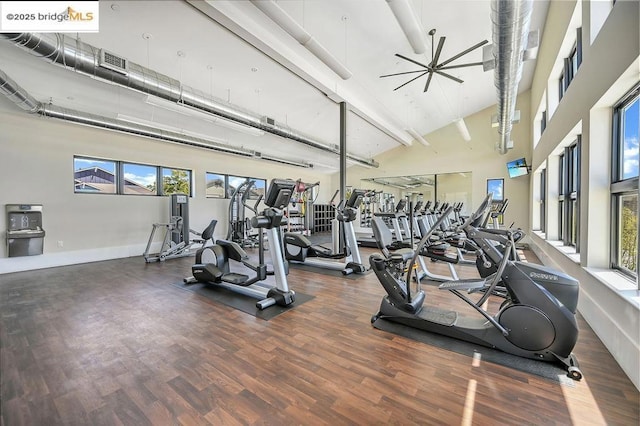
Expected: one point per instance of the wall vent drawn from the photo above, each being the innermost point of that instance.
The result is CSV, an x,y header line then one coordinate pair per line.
x,y
113,62
268,120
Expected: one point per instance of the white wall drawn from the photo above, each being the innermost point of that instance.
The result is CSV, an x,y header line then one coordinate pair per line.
x,y
449,153
36,166
609,68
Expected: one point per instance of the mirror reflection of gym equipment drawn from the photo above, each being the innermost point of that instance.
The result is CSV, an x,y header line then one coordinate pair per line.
x,y
299,249
176,240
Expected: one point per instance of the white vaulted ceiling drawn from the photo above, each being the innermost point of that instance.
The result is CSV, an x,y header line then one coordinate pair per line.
x,y
231,50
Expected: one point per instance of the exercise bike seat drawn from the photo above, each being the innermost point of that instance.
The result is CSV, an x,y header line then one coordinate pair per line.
x,y
401,255
383,237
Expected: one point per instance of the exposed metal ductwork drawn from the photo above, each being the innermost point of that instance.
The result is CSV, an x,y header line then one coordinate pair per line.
x,y
98,63
511,20
24,100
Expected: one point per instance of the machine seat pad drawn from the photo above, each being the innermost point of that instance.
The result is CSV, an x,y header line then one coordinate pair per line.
x,y
469,284
233,278
401,255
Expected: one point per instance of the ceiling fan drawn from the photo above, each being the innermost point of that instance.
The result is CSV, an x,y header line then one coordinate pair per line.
x,y
434,67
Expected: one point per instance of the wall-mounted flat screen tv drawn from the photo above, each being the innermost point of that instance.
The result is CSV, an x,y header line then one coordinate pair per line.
x,y
517,168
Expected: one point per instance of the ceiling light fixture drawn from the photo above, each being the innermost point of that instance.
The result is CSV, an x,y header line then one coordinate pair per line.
x,y
192,112
287,23
462,128
417,136
206,138
285,161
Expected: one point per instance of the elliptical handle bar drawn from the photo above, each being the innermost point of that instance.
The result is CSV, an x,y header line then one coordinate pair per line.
x,y
424,240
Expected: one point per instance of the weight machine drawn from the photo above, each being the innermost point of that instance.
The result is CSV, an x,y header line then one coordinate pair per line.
x,y
176,241
239,224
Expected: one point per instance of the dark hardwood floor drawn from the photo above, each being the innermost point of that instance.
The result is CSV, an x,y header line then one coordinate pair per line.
x,y
116,343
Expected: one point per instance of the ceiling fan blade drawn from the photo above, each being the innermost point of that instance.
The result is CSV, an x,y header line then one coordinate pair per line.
x,y
401,73
426,86
438,51
411,60
464,52
444,74
415,78
459,66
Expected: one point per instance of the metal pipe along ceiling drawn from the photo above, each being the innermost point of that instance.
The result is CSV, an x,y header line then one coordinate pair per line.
x,y
511,21
24,100
87,59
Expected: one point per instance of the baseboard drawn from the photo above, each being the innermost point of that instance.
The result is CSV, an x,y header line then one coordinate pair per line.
x,y
51,260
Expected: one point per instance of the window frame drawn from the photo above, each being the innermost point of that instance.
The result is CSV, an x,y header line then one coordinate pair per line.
x,y
116,173
620,186
121,181
569,195
224,185
119,176
570,65
543,200
161,170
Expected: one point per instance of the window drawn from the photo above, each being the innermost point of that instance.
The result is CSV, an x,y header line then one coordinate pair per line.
x,y
561,192
543,122
571,65
224,186
139,179
624,186
543,196
496,187
94,176
215,185
258,189
233,182
176,181
569,196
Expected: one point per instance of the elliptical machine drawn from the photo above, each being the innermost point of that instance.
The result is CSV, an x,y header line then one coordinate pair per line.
x,y
536,321
298,248
212,262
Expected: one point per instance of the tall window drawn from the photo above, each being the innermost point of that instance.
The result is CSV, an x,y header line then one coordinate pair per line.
x,y
561,197
624,185
543,197
543,122
571,64
569,195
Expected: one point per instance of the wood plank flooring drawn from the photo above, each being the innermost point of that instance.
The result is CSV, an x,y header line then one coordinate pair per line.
x,y
115,343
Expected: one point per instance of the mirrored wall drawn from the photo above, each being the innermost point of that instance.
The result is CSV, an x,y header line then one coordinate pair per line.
x,y
445,187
